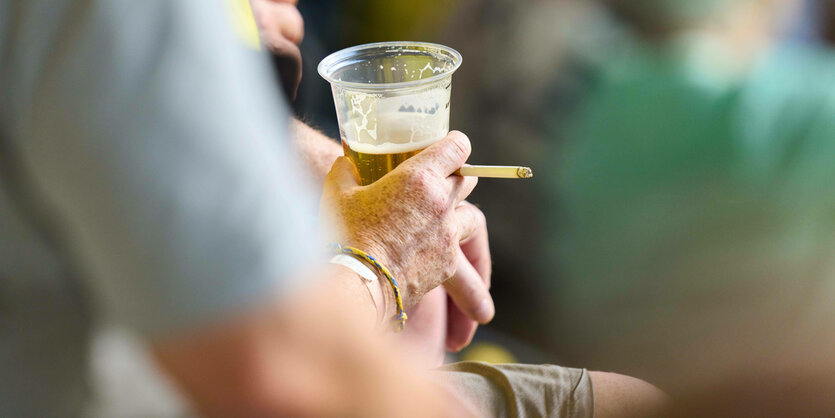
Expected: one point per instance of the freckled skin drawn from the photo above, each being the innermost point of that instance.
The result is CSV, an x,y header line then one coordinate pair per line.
x,y
407,219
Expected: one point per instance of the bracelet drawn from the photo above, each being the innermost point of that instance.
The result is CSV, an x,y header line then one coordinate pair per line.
x,y
400,317
368,278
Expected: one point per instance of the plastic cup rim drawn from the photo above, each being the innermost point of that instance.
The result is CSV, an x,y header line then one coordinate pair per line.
x,y
338,56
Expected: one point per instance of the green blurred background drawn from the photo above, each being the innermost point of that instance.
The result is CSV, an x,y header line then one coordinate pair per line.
x,y
680,212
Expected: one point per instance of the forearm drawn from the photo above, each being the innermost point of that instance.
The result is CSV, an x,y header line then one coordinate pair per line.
x,y
247,365
373,303
316,149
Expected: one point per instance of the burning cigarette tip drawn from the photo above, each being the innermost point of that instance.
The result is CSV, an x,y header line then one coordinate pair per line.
x,y
524,172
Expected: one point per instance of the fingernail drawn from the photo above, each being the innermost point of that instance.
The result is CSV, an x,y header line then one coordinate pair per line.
x,y
485,311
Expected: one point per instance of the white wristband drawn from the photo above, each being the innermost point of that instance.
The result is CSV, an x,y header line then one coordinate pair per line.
x,y
368,277
358,266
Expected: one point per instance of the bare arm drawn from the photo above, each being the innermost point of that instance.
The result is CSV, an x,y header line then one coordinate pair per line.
x,y
318,151
315,352
312,354
619,396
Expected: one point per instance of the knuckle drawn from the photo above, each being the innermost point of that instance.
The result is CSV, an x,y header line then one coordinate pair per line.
x,y
399,179
297,26
419,180
423,179
281,19
437,203
466,216
405,172
462,144
478,215
449,271
473,215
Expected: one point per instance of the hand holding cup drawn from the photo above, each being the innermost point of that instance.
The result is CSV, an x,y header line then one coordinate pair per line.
x,y
412,220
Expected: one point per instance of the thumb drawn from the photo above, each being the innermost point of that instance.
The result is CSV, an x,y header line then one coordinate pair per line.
x,y
343,174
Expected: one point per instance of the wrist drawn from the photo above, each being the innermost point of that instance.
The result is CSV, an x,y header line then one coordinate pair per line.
x,y
318,150
376,285
384,276
355,294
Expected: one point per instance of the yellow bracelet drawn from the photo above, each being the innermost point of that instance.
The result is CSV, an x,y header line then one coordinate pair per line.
x,y
400,317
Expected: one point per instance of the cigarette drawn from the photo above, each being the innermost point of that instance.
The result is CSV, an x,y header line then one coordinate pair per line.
x,y
495,171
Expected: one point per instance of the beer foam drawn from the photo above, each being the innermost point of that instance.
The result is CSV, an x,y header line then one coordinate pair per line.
x,y
379,124
395,132
389,147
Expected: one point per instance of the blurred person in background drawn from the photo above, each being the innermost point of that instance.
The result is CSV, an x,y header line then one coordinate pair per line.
x,y
150,196
149,190
692,216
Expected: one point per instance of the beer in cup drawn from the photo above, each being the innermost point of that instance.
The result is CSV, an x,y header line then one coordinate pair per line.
x,y
392,101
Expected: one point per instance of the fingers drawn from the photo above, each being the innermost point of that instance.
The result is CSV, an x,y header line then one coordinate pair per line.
x,y
445,156
289,63
343,174
460,329
476,248
279,20
469,219
469,292
281,28
461,187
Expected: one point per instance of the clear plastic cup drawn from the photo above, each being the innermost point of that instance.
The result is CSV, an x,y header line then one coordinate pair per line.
x,y
392,100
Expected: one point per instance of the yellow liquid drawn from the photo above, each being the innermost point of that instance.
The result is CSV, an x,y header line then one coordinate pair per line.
x,y
373,167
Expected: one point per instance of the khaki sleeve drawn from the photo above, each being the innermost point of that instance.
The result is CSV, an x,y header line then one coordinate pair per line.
x,y
521,390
